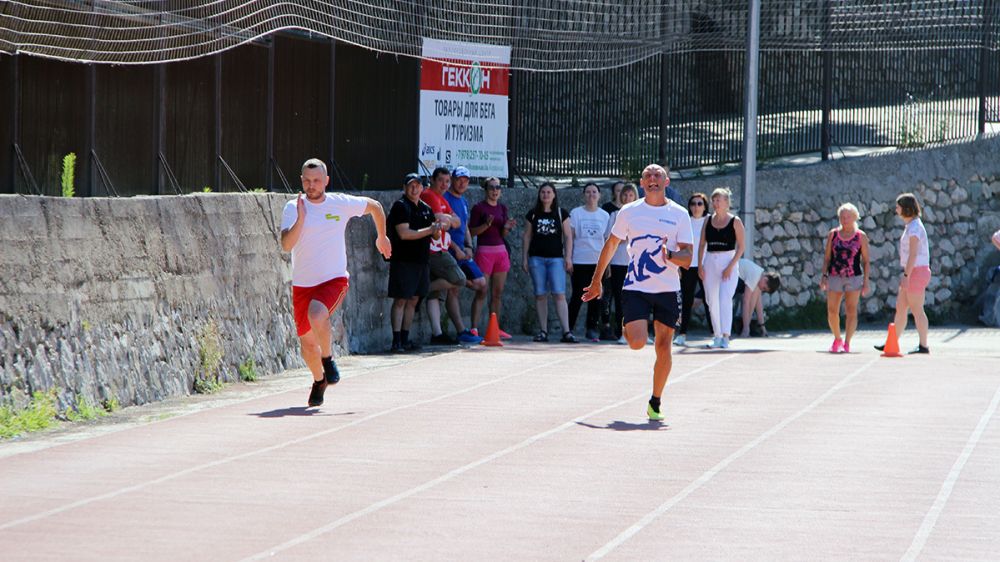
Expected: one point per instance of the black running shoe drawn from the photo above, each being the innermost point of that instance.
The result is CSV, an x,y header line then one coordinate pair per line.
x,y
879,347
332,376
411,346
316,394
568,337
919,349
442,339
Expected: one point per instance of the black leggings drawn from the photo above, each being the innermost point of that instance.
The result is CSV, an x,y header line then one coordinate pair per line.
x,y
582,274
613,297
690,283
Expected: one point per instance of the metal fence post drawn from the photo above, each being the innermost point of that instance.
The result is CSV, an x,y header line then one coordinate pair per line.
x,y
90,142
15,119
748,196
159,126
217,125
269,116
333,99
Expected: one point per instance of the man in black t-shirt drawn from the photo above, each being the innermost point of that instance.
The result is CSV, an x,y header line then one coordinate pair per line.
x,y
411,225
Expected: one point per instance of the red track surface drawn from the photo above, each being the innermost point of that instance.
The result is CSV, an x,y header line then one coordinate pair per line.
x,y
542,451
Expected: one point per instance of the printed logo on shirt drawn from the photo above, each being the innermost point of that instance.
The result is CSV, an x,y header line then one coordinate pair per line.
x,y
546,226
332,217
668,221
644,250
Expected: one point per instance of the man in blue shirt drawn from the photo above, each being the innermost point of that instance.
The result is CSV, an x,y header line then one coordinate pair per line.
x,y
461,245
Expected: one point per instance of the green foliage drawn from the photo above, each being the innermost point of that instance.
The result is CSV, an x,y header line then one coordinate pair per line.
x,y
111,405
85,324
206,380
364,182
810,316
68,173
248,370
259,190
633,162
206,189
85,410
39,414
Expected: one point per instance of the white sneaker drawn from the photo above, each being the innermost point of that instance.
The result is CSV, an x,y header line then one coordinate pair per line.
x,y
680,339
622,341
649,341
716,343
724,343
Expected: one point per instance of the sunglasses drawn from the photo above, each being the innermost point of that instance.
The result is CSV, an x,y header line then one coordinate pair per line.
x,y
492,187
697,203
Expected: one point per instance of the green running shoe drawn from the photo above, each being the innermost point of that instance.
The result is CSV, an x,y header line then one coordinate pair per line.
x,y
653,414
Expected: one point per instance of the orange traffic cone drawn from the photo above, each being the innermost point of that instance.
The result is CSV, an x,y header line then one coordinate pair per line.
x,y
493,332
891,348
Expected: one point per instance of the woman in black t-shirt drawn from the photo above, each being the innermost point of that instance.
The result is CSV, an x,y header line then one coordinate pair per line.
x,y
547,251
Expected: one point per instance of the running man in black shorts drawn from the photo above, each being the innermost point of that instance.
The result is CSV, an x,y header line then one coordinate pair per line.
x,y
658,233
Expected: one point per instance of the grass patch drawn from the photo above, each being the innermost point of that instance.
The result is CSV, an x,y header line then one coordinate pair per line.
x,y
248,370
85,411
206,380
38,415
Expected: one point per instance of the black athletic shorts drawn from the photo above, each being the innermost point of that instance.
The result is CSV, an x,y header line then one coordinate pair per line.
x,y
665,307
408,279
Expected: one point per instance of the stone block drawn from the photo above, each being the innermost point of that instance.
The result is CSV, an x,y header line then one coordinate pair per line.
x,y
958,194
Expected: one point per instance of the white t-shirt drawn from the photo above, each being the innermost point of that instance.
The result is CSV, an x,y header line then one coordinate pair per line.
x,y
750,273
588,233
645,229
914,228
696,226
320,254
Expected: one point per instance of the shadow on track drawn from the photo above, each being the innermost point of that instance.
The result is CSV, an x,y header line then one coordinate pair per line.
x,y
619,425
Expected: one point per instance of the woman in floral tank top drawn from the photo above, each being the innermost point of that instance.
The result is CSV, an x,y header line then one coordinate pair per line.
x,y
845,275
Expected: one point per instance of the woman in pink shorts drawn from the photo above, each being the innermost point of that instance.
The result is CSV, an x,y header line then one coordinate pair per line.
x,y
914,256
490,223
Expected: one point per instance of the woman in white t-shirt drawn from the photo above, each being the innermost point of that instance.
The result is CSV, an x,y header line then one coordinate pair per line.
x,y
914,256
691,285
588,226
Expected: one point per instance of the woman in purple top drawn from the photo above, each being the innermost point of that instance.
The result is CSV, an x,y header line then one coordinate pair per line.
x,y
845,275
490,223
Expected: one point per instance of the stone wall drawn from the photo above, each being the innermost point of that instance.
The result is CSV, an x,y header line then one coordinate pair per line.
x,y
113,298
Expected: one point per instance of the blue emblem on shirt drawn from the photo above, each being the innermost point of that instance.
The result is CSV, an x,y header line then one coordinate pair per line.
x,y
643,266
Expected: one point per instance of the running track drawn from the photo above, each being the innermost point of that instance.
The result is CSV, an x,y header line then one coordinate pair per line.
x,y
540,452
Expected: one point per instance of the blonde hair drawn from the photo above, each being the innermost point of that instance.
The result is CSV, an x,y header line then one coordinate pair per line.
x,y
724,191
849,207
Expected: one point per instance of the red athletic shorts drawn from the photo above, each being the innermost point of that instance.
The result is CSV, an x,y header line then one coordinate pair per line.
x,y
331,293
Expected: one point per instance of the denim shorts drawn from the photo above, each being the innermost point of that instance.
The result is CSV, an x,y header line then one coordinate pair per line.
x,y
548,275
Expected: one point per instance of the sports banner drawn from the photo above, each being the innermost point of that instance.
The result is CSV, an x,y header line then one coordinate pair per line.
x,y
463,107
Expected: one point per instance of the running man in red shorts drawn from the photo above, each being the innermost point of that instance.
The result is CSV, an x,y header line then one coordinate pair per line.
x,y
312,229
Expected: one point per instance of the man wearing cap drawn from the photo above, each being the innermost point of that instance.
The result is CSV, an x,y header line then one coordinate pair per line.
x,y
461,245
312,229
411,226
446,275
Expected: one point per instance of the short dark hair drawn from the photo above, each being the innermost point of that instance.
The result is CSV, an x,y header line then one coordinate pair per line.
x,y
704,200
909,205
590,183
440,171
773,279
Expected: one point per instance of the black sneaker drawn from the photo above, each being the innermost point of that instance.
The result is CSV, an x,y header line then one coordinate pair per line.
x,y
879,347
332,376
316,394
541,336
396,348
411,346
919,349
442,339
568,337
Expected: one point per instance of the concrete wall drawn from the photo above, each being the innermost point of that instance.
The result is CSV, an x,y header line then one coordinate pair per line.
x,y
112,298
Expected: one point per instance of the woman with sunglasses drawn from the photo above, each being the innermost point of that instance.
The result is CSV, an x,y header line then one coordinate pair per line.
x,y
691,285
490,223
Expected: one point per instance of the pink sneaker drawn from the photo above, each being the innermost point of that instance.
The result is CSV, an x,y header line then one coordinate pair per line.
x,y
846,348
474,332
838,346
505,336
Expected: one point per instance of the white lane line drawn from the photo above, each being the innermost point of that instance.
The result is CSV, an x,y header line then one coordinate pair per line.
x,y
930,520
708,475
460,470
13,449
200,467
